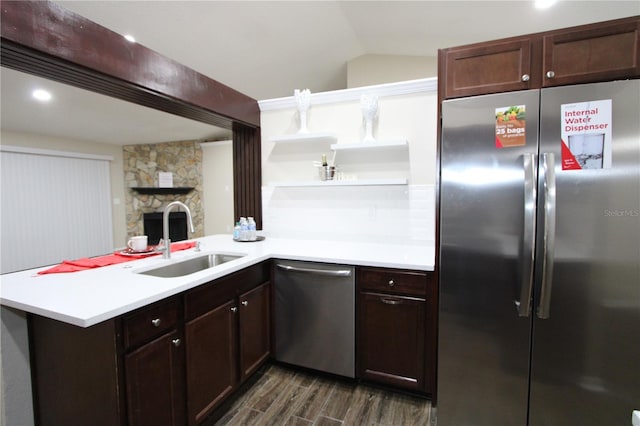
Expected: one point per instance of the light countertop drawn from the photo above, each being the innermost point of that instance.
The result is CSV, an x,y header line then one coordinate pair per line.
x,y
88,297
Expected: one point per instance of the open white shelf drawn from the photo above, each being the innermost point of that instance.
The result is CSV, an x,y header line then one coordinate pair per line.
x,y
306,138
354,182
389,144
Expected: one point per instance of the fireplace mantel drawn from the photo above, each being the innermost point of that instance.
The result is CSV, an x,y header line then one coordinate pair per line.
x,y
157,190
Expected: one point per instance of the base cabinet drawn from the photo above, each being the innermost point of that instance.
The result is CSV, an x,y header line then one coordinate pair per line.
x,y
154,376
226,337
211,360
255,329
171,363
76,373
224,347
154,364
392,340
396,328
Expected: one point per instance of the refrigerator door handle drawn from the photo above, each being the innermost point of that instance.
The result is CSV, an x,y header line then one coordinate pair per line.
x,y
549,233
528,236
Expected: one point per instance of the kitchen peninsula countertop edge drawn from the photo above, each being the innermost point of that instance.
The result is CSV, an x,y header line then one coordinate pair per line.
x,y
89,297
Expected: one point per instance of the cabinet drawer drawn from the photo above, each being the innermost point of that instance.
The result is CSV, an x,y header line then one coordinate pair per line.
x,y
393,281
151,322
202,299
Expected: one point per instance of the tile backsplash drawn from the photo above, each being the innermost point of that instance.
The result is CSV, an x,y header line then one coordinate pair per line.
x,y
393,213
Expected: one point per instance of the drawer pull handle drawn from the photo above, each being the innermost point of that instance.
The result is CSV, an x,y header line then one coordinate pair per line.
x,y
234,309
551,74
176,342
391,283
525,77
390,301
245,303
156,322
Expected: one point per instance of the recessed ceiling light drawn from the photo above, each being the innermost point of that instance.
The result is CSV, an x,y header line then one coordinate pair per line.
x,y
41,95
544,4
130,38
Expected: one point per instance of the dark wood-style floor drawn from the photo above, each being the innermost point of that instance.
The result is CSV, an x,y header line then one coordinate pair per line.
x,y
282,396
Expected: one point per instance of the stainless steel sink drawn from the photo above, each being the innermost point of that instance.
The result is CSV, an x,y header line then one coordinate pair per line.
x,y
191,266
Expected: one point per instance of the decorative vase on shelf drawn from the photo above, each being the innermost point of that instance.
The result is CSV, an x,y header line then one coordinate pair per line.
x,y
369,107
303,100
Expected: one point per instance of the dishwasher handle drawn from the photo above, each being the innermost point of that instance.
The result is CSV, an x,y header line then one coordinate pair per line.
x,y
329,272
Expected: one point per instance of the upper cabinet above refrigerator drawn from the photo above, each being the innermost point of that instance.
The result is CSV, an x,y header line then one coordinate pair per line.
x,y
589,53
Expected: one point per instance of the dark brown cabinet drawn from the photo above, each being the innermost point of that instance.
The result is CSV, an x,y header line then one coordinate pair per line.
x,y
487,68
396,328
255,327
154,377
598,52
154,365
392,337
211,359
226,337
589,53
76,373
170,363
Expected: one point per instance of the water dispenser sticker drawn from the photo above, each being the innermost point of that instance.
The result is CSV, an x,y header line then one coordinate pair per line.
x,y
511,126
586,135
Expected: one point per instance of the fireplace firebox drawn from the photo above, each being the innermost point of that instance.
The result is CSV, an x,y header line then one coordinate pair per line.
x,y
153,226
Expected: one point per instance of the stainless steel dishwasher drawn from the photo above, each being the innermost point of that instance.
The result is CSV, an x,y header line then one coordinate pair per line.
x,y
315,316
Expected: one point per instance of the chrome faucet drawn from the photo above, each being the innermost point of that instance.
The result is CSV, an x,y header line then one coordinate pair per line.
x,y
166,250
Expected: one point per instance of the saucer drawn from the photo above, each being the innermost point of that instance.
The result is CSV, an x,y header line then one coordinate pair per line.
x,y
130,252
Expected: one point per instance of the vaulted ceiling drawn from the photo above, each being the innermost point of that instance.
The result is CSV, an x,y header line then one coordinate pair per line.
x,y
266,49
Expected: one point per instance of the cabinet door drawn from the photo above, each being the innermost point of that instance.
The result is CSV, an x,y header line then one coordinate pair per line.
x,y
211,359
602,52
254,329
488,68
155,382
391,337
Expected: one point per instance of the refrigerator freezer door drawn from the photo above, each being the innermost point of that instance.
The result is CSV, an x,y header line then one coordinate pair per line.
x,y
585,356
485,218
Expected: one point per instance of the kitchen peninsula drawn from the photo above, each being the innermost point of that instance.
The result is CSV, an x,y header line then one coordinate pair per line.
x,y
89,297
138,349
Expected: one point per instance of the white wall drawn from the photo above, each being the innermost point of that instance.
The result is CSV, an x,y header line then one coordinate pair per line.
x,y
407,110
367,70
217,187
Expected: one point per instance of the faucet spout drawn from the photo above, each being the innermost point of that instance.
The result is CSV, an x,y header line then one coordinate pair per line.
x,y
166,250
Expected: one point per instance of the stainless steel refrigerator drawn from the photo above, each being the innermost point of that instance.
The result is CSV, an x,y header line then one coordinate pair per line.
x,y
539,303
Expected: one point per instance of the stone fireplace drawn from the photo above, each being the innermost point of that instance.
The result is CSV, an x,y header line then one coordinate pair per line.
x,y
142,163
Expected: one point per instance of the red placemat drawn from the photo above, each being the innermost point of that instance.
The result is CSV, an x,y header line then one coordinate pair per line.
x,y
111,259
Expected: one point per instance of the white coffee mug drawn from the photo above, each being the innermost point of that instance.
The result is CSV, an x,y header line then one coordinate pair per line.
x,y
137,243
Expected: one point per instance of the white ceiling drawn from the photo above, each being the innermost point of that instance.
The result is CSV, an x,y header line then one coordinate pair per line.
x,y
266,49
85,116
